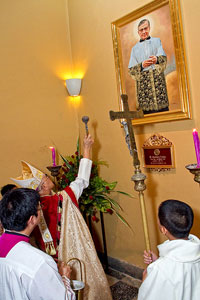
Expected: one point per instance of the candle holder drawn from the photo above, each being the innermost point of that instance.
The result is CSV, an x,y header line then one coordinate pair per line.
x,y
195,170
54,172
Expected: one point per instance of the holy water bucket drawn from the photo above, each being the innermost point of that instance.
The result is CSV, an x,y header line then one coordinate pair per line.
x,y
78,285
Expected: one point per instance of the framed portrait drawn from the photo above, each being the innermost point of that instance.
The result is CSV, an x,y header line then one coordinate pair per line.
x,y
152,69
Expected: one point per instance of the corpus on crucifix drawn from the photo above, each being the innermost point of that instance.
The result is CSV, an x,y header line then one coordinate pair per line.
x,y
138,178
129,116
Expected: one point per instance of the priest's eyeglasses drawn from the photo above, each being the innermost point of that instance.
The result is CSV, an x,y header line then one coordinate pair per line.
x,y
41,183
143,29
46,178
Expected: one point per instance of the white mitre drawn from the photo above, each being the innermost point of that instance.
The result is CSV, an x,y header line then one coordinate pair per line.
x,y
30,178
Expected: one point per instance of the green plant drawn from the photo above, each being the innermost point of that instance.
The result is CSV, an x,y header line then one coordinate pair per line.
x,y
97,197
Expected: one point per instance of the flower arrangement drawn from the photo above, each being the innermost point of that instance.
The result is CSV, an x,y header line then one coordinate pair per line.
x,y
97,196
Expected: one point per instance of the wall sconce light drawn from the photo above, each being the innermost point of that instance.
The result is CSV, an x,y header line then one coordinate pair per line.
x,y
73,86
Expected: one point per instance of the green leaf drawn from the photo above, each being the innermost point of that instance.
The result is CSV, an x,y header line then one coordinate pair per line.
x,y
102,162
65,161
104,209
114,203
87,201
123,193
123,220
78,147
100,196
111,185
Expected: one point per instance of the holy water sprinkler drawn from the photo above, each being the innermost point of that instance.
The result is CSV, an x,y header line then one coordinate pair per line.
x,y
85,120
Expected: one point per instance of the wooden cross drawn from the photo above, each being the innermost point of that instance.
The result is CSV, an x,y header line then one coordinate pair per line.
x,y
128,115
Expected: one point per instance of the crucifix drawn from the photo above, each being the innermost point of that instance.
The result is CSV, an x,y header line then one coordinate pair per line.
x,y
138,178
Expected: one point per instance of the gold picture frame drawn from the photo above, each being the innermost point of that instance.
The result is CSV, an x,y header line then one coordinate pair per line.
x,y
166,14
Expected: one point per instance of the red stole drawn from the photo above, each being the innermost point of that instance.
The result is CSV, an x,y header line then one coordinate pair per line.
x,y
70,193
52,210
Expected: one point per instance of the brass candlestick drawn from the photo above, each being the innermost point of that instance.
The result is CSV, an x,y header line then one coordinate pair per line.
x,y
195,170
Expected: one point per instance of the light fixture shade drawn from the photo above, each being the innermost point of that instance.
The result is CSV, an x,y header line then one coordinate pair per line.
x,y
73,86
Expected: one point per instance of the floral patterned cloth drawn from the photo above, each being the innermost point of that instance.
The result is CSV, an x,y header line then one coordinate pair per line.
x,y
76,242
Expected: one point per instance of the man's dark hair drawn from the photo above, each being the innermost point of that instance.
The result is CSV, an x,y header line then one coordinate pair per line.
x,y
177,217
143,21
17,206
6,188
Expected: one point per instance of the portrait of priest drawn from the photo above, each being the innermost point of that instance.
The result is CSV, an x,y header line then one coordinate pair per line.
x,y
146,66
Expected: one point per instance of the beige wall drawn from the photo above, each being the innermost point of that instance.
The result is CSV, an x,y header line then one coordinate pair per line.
x,y
90,27
37,54
36,112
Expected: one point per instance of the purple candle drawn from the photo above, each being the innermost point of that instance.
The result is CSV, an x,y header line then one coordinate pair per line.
x,y
197,145
53,156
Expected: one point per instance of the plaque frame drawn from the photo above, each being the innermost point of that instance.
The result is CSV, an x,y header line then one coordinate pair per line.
x,y
160,149
158,143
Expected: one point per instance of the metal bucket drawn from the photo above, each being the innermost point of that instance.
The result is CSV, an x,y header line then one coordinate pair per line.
x,y
78,285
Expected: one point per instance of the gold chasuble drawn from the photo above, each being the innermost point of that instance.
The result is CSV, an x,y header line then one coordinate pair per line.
x,y
76,242
151,89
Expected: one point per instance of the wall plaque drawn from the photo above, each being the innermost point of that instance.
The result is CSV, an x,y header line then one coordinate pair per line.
x,y
158,153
